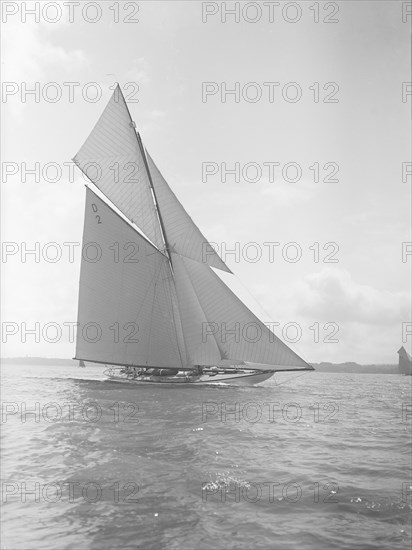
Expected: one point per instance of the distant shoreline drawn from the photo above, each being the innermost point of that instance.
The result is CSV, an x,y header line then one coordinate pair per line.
x,y
348,367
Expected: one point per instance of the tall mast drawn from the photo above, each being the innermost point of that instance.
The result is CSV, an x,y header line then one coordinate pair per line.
x,y
156,204
159,215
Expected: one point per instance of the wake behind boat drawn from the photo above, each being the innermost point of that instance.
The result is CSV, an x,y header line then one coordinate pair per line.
x,y
150,303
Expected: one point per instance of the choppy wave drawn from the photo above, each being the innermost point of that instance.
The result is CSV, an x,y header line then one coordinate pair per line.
x,y
309,462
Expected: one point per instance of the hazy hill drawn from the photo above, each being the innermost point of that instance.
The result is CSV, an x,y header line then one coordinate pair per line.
x,y
321,367
355,367
39,361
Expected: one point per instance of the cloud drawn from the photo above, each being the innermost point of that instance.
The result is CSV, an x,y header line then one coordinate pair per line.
x,y
139,72
333,293
289,193
157,114
355,321
29,55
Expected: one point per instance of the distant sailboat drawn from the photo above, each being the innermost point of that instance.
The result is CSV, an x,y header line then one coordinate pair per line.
x,y
405,361
150,305
81,364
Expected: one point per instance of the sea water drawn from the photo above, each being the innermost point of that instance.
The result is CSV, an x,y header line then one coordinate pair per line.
x,y
303,461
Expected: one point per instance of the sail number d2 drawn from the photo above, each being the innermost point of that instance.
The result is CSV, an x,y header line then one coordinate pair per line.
x,y
95,210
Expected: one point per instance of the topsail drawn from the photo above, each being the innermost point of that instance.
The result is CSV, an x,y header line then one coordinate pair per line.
x,y
113,159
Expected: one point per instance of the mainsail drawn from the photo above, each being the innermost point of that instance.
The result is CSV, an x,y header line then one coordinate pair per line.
x,y
126,314
153,299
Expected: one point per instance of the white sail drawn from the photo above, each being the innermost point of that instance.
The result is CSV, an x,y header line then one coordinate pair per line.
x,y
405,361
217,319
126,312
199,352
138,303
112,159
183,236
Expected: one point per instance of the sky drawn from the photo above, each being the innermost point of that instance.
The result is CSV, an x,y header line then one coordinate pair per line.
x,y
339,102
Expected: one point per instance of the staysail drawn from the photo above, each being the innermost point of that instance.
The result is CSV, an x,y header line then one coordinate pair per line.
x,y
221,323
126,312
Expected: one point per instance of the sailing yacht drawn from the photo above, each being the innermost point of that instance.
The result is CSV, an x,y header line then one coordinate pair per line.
x,y
405,362
151,304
